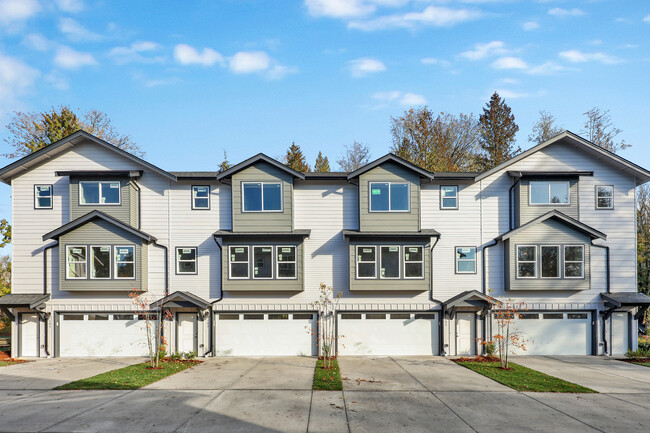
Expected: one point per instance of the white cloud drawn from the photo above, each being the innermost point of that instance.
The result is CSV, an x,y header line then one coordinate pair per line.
x,y
339,8
278,72
434,61
481,51
511,94
37,41
547,68
559,12
436,16
412,99
576,56
75,31
133,53
16,79
365,66
72,6
530,25
509,63
647,19
404,99
187,55
248,62
12,11
57,81
67,58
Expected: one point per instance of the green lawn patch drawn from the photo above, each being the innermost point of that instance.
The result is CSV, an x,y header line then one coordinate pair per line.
x,y
327,379
6,363
523,379
131,377
645,364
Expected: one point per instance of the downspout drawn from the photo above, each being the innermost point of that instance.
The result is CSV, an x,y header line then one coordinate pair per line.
x,y
484,285
46,340
511,214
213,336
608,290
441,332
137,187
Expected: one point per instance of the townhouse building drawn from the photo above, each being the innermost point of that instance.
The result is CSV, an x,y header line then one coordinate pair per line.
x,y
237,257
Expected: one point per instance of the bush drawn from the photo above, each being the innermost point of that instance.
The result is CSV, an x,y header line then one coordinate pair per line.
x,y
162,351
176,356
189,355
490,349
641,352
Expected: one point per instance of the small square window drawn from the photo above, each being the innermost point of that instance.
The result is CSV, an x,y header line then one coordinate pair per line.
x,y
186,260
604,197
200,197
43,196
449,197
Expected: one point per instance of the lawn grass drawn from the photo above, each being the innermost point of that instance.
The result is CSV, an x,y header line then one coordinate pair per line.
x,y
327,380
523,379
645,364
6,363
131,377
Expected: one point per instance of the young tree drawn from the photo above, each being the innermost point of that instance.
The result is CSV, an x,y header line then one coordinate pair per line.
x,y
545,128
5,287
507,336
357,155
225,164
31,131
295,159
600,130
153,323
5,233
326,306
643,238
322,164
497,133
442,143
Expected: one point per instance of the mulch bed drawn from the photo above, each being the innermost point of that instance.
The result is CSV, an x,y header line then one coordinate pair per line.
x,y
636,360
479,358
4,357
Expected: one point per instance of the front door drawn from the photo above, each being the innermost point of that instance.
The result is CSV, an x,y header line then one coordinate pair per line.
x,y
187,330
619,333
28,335
465,334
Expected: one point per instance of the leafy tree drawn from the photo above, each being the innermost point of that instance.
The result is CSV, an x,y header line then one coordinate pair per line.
x,y
442,143
600,130
5,233
497,133
31,131
225,164
5,288
357,155
643,238
545,128
322,164
295,158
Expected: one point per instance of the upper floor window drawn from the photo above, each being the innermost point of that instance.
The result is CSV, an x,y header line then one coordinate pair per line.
x,y
262,196
99,193
526,261
366,261
574,261
449,197
267,262
125,262
413,262
549,192
286,262
390,259
43,196
465,260
186,260
550,257
100,262
262,262
389,197
200,197
76,263
239,262
395,262
604,197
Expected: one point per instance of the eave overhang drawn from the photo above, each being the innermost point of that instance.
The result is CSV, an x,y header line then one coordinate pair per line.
x,y
181,299
295,234
565,219
260,157
395,159
72,225
558,174
365,235
131,174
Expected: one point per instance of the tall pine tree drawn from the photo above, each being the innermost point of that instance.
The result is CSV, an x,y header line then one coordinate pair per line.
x,y
295,158
497,133
322,164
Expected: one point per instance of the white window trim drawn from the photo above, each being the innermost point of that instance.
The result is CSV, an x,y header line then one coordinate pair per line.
x,y
442,206
357,261
535,262
194,197
92,262
248,262
611,198
195,260
277,262
530,195
559,261
115,262
408,192
421,262
68,262
253,256
381,262
36,196
119,196
582,262
457,260
262,196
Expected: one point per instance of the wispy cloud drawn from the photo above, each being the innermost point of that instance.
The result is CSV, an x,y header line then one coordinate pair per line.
x,y
647,19
511,94
13,11
16,79
576,56
530,25
258,62
547,68
134,53
402,98
188,55
339,8
434,16
36,41
365,66
483,50
509,63
435,61
68,58
71,6
75,31
562,13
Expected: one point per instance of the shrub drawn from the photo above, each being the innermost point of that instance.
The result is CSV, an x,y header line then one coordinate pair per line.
x,y
162,351
490,348
189,355
176,356
641,352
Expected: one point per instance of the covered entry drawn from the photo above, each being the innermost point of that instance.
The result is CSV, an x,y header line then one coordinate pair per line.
x,y
27,312
623,310
465,322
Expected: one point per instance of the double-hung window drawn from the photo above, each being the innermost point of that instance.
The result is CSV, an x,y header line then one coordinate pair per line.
x,y
99,193
76,261
262,262
186,260
574,261
239,262
124,262
526,261
549,192
550,258
200,197
366,261
604,197
389,197
43,196
390,259
465,260
286,262
449,197
100,262
413,262
262,196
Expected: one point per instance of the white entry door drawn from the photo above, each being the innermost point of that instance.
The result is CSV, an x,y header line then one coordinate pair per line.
x,y
619,334
466,334
28,335
187,328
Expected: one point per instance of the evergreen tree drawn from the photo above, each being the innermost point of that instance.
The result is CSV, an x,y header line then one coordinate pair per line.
x,y
497,132
322,164
225,164
295,158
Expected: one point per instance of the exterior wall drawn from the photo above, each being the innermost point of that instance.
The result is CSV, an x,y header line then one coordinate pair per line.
x,y
524,211
123,211
262,221
389,221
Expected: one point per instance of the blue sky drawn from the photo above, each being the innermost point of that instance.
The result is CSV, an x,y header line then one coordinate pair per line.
x,y
189,79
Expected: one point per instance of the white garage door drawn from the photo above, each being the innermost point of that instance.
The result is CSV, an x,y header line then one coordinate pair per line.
x,y
102,335
554,333
395,333
261,334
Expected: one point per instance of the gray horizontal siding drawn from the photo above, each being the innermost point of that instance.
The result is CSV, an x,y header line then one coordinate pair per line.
x,y
525,212
123,211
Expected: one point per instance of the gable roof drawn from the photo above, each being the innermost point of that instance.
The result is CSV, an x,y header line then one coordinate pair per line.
x,y
27,162
66,228
565,219
391,157
180,299
469,297
31,301
255,159
642,175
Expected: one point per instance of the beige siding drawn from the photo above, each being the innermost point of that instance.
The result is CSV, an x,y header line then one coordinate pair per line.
x,y
121,211
526,212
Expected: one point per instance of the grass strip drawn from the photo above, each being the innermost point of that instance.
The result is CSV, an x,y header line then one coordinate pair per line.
x,y
6,363
131,377
524,379
645,364
327,379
